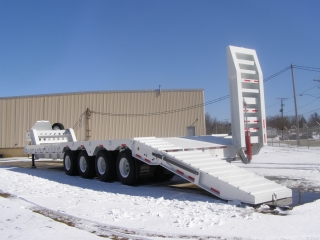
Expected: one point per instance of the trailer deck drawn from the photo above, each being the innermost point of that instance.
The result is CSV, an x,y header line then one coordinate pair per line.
x,y
197,161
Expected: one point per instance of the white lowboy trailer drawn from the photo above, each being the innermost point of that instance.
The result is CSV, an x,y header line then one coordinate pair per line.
x,y
202,160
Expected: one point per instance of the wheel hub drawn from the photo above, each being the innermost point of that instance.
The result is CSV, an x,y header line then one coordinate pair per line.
x,y
101,164
67,162
124,167
83,164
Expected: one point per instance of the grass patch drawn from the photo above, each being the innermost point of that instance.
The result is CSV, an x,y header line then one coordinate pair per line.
x,y
5,195
60,219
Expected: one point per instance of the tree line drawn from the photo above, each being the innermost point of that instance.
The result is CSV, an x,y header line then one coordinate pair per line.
x,y
215,126
288,122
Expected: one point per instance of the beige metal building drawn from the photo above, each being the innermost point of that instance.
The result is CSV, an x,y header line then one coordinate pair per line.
x,y
104,115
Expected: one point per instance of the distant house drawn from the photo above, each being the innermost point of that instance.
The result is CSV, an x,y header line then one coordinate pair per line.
x,y
271,132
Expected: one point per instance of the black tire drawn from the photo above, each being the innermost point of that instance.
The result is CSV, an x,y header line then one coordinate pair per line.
x,y
126,168
86,165
105,166
57,126
70,163
160,174
157,174
168,176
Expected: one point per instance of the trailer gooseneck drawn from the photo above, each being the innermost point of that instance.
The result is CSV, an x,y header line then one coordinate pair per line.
x,y
200,160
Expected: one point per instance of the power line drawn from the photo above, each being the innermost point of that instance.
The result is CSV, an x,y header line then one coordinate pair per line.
x,y
311,111
301,94
189,107
272,105
306,67
276,74
309,89
314,69
304,105
296,95
311,81
311,69
186,108
164,112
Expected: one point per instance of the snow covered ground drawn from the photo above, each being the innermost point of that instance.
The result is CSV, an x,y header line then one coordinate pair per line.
x,y
45,203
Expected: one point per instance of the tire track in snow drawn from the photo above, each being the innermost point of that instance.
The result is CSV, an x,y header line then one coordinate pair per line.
x,y
99,229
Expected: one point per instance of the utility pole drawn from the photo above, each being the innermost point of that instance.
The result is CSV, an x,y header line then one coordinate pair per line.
x,y
281,110
295,107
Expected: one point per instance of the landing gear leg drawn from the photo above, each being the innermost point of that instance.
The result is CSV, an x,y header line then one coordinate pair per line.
x,y
33,165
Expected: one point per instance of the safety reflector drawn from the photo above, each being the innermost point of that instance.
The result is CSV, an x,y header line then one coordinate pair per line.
x,y
191,178
180,172
215,190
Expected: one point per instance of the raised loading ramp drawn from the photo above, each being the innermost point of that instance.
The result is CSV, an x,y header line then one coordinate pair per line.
x,y
212,174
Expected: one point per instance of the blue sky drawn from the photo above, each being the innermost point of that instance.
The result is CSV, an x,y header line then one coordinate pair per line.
x,y
70,46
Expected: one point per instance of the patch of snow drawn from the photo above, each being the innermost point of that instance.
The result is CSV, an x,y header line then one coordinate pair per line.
x,y
153,211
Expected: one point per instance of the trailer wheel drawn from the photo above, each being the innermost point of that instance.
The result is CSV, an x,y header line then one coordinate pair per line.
x,y
168,176
126,169
70,163
105,166
85,165
161,174
57,126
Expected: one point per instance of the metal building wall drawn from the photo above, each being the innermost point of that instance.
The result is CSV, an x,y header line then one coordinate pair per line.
x,y
114,115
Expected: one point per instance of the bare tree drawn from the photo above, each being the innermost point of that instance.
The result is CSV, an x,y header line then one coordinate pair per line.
x,y
214,126
314,120
290,121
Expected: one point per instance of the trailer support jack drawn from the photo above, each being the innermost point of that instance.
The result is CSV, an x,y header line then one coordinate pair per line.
x,y
33,165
